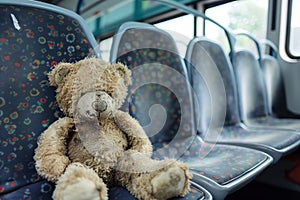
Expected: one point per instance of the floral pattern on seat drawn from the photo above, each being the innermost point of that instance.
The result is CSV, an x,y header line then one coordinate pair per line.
x,y
150,66
39,190
150,49
273,122
278,139
119,193
32,41
222,163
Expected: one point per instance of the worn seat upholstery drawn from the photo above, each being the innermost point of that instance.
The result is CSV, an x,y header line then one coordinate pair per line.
x,y
199,52
160,96
33,38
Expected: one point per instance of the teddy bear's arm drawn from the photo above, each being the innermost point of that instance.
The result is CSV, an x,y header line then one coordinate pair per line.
x,y
50,155
136,134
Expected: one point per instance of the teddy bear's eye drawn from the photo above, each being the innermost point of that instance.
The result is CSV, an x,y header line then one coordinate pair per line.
x,y
110,94
121,72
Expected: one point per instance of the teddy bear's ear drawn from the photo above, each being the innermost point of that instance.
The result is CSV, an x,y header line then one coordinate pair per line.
x,y
57,75
124,72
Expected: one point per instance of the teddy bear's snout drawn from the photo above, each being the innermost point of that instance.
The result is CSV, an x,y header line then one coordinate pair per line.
x,y
99,106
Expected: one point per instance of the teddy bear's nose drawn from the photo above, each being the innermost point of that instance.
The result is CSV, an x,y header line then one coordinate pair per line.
x,y
100,106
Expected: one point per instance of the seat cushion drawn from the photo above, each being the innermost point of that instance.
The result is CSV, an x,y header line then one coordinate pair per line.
x,y
222,163
278,139
39,190
119,193
273,122
43,190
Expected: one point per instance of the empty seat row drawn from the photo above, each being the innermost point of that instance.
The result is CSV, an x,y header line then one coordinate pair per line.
x,y
253,95
236,130
161,92
152,60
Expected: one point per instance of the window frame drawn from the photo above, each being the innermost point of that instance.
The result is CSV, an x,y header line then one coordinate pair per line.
x,y
288,32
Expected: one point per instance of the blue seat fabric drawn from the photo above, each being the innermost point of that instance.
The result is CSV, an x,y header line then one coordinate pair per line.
x,y
274,142
32,41
119,193
142,47
275,90
252,95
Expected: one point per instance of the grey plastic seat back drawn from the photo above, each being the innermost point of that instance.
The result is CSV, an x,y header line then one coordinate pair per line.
x,y
250,85
275,87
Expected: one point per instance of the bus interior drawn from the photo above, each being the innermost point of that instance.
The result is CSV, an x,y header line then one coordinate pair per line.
x,y
214,85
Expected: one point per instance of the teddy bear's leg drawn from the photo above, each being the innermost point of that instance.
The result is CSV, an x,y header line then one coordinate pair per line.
x,y
50,155
153,179
80,182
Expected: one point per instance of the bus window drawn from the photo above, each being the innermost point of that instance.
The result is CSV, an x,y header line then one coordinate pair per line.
x,y
183,25
247,15
181,29
105,46
293,29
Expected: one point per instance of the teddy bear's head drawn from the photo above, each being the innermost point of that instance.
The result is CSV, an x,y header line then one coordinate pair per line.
x,y
90,87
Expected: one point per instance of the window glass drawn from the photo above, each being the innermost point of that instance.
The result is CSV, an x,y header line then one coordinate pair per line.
x,y
181,29
294,40
105,46
183,25
244,15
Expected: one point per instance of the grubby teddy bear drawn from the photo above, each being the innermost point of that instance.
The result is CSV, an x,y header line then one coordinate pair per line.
x,y
96,145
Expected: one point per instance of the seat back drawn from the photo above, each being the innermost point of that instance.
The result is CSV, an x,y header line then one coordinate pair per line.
x,y
159,97
250,85
275,89
213,82
34,37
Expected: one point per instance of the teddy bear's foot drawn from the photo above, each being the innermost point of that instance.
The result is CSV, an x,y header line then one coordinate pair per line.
x,y
84,190
80,182
170,183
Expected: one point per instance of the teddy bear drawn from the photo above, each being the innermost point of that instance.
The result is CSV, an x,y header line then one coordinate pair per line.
x,y
96,145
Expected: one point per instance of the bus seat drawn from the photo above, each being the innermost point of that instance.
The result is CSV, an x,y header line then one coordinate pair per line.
x,y
34,37
196,192
252,95
203,55
275,88
160,98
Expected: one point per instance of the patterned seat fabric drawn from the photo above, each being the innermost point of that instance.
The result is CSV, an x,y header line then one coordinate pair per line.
x,y
160,96
207,63
119,193
156,101
273,142
278,140
275,91
32,40
252,94
221,163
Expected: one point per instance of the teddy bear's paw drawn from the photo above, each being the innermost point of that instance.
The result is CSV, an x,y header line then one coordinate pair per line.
x,y
85,190
169,183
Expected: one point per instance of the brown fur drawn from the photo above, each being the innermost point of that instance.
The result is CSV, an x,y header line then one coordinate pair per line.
x,y
83,153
